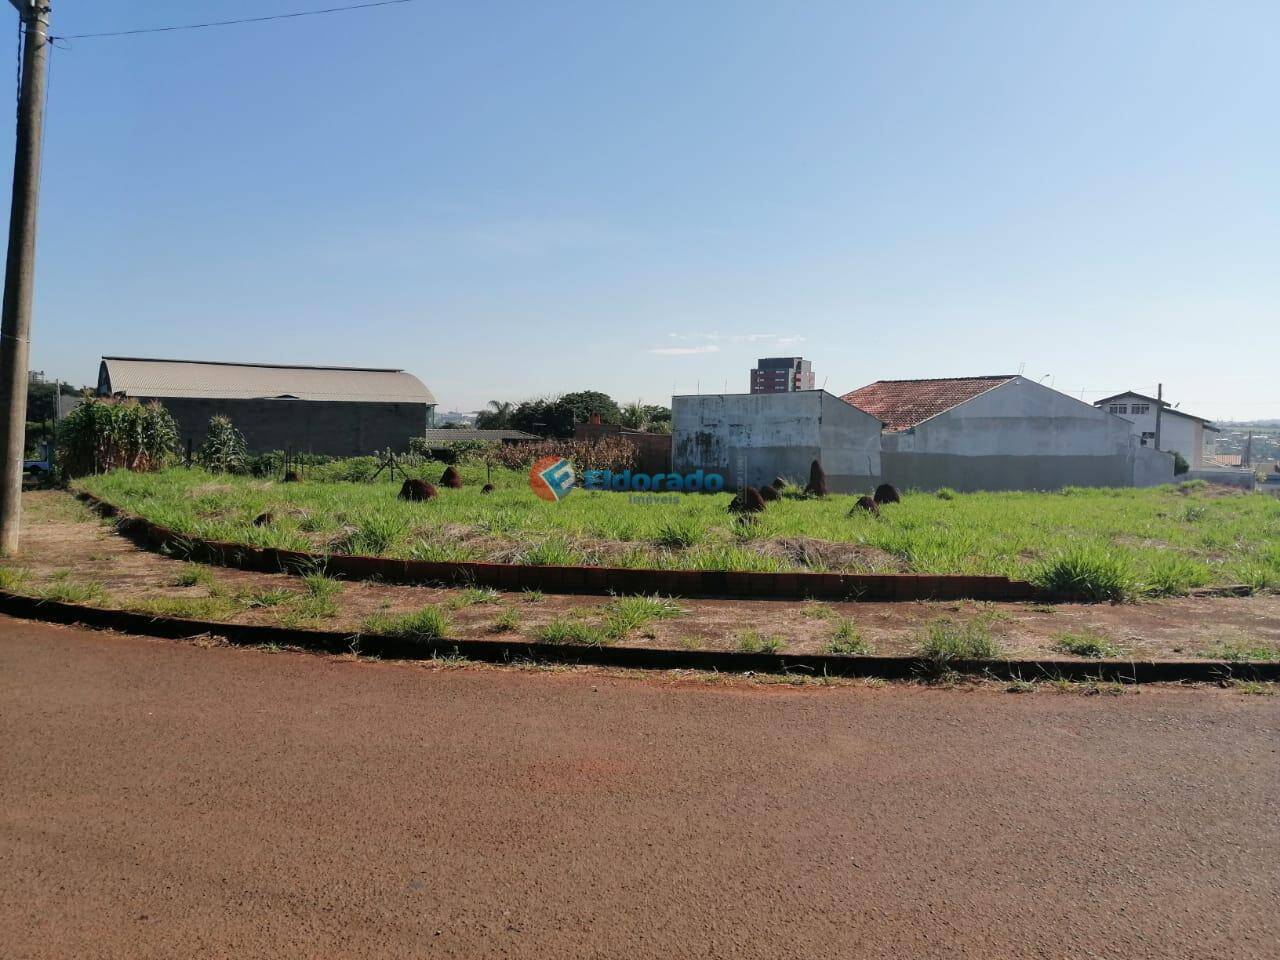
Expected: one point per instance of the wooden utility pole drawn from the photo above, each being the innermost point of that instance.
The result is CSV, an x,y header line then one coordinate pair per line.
x,y
20,267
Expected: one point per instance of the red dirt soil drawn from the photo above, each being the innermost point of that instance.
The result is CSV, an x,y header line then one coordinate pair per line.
x,y
162,800
63,538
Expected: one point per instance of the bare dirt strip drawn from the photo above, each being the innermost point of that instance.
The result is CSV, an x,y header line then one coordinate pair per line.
x,y
64,540
162,800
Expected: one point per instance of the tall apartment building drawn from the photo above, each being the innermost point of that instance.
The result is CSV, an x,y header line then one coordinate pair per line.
x,y
781,375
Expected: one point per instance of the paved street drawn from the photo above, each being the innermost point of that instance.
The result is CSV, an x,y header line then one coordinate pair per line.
x,y
163,800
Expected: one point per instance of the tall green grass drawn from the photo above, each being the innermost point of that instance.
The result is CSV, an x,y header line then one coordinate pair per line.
x,y
1112,544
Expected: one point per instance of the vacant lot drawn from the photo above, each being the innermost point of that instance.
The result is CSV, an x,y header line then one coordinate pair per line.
x,y
1165,540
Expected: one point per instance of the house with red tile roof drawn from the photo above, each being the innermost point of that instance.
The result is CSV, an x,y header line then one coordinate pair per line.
x,y
1002,432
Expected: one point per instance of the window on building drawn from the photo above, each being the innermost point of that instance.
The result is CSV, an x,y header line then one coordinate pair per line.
x,y
1140,408
1148,438
1119,408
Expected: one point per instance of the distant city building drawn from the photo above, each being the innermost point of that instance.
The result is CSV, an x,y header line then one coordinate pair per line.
x,y
781,375
1180,431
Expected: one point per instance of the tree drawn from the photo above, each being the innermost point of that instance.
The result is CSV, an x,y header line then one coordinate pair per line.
x,y
1180,465
584,404
641,416
497,416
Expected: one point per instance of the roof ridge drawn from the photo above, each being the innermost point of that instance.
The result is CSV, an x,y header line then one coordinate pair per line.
x,y
984,376
269,366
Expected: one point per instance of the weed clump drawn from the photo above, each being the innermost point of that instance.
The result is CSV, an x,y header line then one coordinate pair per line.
x,y
945,641
817,486
451,478
1086,644
414,489
1090,573
887,493
423,626
945,493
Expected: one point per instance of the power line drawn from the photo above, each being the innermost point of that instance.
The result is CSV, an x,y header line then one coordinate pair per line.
x,y
231,23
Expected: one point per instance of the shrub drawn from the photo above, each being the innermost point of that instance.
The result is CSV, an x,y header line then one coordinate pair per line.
x,y
946,493
102,434
223,449
607,453
1180,465
451,478
1091,573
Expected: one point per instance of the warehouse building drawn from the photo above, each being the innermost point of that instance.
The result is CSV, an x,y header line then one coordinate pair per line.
x,y
341,411
1003,433
753,438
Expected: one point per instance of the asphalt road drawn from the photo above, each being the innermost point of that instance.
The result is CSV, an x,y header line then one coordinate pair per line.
x,y
162,800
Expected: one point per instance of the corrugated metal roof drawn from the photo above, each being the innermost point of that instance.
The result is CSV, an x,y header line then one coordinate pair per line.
x,y
902,404
455,434
142,377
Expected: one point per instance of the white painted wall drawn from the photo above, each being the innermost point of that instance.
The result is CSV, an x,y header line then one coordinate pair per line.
x,y
756,437
1177,432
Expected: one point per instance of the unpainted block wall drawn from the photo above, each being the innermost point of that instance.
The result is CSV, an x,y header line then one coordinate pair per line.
x,y
304,426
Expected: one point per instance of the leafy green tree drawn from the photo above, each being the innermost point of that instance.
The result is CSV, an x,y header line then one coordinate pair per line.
x,y
1180,465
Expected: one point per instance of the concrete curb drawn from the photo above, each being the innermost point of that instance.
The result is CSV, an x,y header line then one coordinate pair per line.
x,y
703,584
511,651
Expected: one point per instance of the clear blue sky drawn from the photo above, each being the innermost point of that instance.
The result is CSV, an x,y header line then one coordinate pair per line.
x,y
513,199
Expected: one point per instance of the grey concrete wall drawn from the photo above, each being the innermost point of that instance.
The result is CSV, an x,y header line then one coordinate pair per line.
x,y
1019,436
752,438
305,426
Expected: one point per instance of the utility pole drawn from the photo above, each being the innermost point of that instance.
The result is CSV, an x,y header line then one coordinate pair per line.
x,y
20,267
1159,405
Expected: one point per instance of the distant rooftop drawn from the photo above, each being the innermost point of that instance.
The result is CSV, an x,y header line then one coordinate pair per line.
x,y
1165,406
458,434
902,404
146,377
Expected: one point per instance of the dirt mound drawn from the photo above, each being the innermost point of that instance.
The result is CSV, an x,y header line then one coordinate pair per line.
x,y
817,481
748,501
487,488
291,476
887,493
451,479
867,504
779,483
768,492
264,519
417,490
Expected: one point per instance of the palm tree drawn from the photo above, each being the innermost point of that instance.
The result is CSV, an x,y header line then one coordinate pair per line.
x,y
635,416
497,416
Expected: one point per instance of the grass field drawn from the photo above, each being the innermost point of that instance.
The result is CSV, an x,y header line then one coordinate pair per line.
x,y
1156,542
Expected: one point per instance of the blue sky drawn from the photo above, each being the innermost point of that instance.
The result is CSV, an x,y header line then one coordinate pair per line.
x,y
514,199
